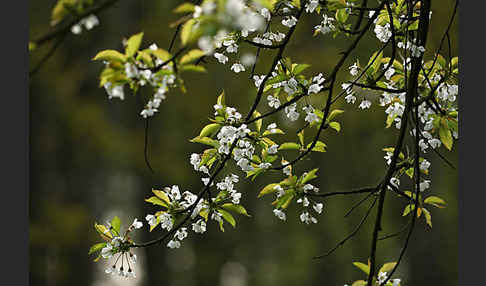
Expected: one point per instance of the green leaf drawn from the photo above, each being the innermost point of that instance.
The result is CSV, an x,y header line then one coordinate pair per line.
x,y
409,172
157,222
59,12
161,54
296,3
390,120
110,55
97,247
335,125
299,68
319,147
289,146
116,223
359,283
365,268
193,68
133,44
184,8
334,113
228,217
220,99
145,57
435,201
210,130
374,67
310,175
191,56
341,16
301,137
259,122
239,209
162,195
206,141
268,189
387,267
445,134
103,231
186,31
156,201
406,210
207,155
428,217
284,201
204,214
276,79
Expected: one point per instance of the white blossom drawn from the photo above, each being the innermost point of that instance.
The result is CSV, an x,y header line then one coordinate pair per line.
x,y
318,207
353,70
311,6
137,224
305,217
114,91
174,244
365,104
280,214
289,21
221,58
237,67
266,14
199,226
291,112
273,149
383,33
273,101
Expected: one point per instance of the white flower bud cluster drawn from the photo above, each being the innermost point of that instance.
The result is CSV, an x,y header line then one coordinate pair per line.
x,y
88,22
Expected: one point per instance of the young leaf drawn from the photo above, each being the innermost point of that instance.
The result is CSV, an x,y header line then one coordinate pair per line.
x,y
319,147
184,8
310,175
289,146
156,201
110,55
97,247
334,113
428,217
259,122
206,141
228,217
387,267
133,44
186,31
445,134
115,223
210,130
365,268
161,195
191,56
268,189
435,201
103,231
239,209
299,68
335,125
192,68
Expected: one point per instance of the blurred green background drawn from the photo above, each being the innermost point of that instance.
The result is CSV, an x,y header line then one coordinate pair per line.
x,y
87,164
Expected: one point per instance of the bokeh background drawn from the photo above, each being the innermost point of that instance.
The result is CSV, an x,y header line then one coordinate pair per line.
x,y
87,164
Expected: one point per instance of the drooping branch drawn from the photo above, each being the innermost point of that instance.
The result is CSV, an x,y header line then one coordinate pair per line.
x,y
411,94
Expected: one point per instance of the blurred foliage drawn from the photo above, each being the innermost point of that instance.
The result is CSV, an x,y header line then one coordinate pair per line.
x,y
87,153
